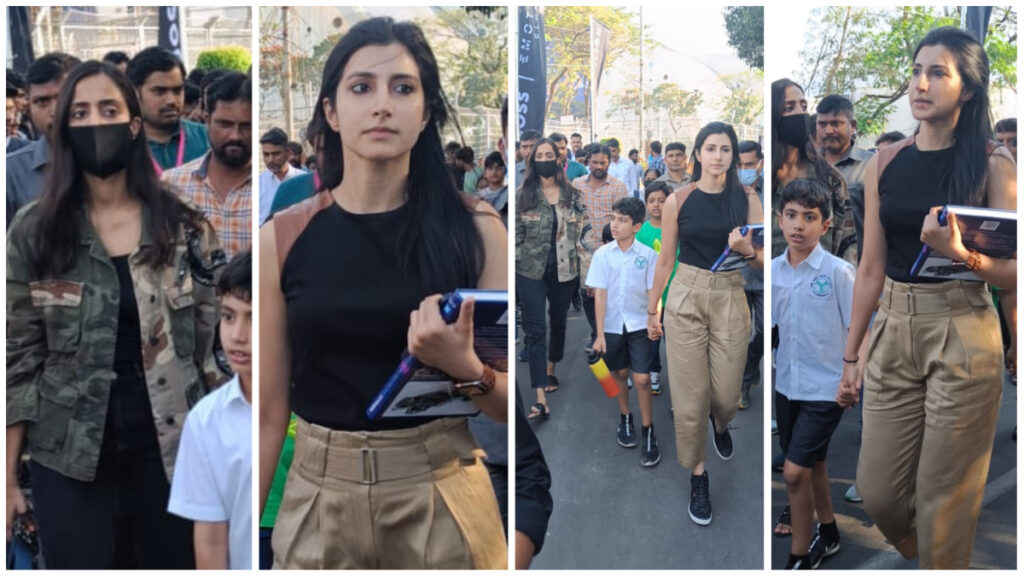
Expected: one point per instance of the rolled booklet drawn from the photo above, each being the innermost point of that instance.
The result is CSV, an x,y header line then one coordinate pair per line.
x,y
989,231
733,260
416,390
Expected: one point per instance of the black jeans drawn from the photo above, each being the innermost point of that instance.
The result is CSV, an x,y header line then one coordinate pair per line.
x,y
656,348
118,520
533,295
755,350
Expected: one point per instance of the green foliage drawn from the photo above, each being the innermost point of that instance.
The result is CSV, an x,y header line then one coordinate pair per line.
x,y
471,47
228,57
857,47
745,102
745,28
567,30
675,102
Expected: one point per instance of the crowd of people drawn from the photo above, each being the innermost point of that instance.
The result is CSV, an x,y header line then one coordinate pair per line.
x,y
591,225
129,313
848,225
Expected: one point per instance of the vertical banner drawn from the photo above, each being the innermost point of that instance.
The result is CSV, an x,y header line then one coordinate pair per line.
x,y
19,38
532,65
172,31
975,20
598,55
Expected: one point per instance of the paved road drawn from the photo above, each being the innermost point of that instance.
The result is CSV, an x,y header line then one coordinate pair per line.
x,y
611,513
863,546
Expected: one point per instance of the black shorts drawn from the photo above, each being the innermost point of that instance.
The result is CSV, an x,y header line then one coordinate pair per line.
x,y
805,428
628,351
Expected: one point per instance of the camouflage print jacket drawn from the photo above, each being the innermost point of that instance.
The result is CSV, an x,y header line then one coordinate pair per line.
x,y
533,238
61,335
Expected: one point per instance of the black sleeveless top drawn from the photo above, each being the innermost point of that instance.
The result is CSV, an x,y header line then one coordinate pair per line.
x,y
128,346
911,184
704,228
348,306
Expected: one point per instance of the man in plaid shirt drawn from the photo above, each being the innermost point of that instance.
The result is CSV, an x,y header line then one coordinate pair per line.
x,y
600,190
219,183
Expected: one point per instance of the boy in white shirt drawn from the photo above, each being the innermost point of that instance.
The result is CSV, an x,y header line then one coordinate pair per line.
x,y
622,274
212,482
812,298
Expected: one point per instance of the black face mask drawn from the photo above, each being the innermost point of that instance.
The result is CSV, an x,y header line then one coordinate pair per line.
x,y
546,168
101,149
794,129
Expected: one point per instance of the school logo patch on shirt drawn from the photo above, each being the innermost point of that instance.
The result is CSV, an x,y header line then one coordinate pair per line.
x,y
821,285
640,262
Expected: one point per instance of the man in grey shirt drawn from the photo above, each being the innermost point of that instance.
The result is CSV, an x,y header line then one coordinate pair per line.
x,y
25,166
675,165
836,125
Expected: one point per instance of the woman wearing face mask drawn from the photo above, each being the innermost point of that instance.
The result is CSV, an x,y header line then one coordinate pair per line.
x,y
933,372
650,175
707,321
351,278
111,312
550,223
794,156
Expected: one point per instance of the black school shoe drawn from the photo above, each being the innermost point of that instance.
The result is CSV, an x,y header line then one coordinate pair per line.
x,y
823,545
627,431
798,562
723,441
649,454
700,499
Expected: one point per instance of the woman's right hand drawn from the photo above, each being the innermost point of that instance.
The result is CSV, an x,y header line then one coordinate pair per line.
x,y
16,505
849,385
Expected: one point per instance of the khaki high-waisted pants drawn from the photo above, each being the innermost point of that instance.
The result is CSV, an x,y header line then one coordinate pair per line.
x,y
933,383
417,498
707,329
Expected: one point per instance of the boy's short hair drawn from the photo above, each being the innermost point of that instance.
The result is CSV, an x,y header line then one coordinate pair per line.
x,y
632,207
236,278
606,234
808,193
494,159
613,143
656,147
633,151
557,137
657,185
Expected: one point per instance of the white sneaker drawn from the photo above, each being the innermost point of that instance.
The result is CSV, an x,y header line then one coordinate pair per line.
x,y
655,383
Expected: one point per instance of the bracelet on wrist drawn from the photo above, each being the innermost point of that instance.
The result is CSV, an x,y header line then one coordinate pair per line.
x,y
852,362
654,314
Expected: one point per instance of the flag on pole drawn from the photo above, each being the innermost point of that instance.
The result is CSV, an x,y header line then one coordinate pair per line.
x,y
171,35
19,38
532,65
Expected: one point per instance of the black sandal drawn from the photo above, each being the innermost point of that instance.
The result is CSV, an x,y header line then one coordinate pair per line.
x,y
784,519
552,385
538,411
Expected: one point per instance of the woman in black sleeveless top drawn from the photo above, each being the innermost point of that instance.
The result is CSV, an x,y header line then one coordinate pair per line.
x,y
933,366
350,278
707,320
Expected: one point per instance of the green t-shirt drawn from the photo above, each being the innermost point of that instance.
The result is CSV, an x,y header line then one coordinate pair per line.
x,y
470,180
280,476
197,142
650,235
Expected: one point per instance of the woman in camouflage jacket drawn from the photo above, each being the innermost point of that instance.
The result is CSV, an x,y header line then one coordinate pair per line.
x,y
98,389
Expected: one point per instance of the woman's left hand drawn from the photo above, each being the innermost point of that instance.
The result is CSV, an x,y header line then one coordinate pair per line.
x,y
446,347
742,244
945,239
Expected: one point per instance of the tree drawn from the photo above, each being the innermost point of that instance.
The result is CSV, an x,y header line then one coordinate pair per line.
x,y
745,102
471,47
870,50
745,28
675,102
567,31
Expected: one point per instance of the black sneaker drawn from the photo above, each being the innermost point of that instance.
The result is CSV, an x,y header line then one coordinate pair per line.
x,y
723,441
700,499
627,431
822,547
649,455
796,562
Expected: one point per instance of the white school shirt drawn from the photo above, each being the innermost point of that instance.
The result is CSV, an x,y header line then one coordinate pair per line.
x,y
213,472
622,170
811,304
627,276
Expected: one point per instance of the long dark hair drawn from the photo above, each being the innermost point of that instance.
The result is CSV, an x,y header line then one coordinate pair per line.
x,y
529,195
738,206
974,126
824,171
63,196
439,236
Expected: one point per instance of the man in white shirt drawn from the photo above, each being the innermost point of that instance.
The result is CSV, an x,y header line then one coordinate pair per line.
x,y
635,175
274,145
212,483
622,274
620,167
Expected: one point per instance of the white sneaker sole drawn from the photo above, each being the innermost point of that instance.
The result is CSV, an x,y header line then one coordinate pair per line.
x,y
826,556
701,522
723,457
651,464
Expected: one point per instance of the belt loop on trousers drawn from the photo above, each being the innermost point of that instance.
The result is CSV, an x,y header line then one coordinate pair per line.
x,y
369,466
911,303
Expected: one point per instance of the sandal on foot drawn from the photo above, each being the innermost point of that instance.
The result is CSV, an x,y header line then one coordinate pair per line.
x,y
538,411
784,526
552,385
